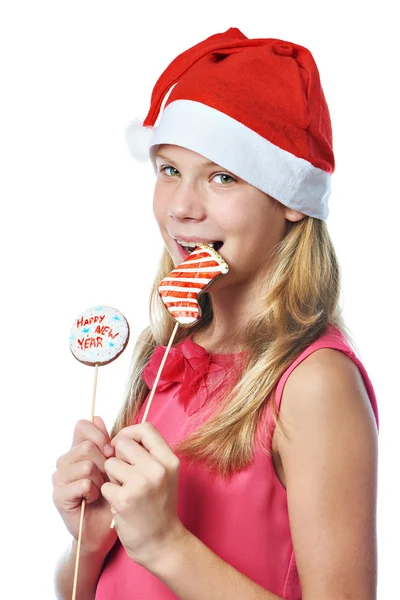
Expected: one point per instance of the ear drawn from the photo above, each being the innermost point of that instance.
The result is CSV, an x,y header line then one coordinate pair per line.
x,y
293,215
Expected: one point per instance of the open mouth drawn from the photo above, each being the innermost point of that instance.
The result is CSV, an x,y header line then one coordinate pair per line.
x,y
190,246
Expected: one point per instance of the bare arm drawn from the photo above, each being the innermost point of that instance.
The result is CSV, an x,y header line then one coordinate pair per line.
x,y
90,565
329,458
193,572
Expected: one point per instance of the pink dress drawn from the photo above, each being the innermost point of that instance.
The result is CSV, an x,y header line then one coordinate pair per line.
x,y
244,520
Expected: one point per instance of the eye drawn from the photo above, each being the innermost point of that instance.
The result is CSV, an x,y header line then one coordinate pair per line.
x,y
169,171
224,178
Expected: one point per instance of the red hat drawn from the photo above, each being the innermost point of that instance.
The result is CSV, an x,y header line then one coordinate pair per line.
x,y
255,107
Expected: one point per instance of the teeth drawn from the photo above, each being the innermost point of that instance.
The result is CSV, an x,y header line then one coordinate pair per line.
x,y
193,244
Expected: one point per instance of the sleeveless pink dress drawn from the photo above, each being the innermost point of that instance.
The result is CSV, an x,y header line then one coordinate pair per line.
x,y
244,520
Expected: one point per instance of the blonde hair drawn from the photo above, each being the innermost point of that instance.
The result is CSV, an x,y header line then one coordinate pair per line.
x,y
301,299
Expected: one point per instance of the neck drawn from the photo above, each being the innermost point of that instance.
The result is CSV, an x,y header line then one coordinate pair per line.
x,y
232,310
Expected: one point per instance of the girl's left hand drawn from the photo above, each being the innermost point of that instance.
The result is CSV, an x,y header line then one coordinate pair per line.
x,y
143,492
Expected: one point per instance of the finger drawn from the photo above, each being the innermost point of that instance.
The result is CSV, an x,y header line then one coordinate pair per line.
x,y
95,432
132,453
86,450
111,492
69,496
84,469
151,439
119,471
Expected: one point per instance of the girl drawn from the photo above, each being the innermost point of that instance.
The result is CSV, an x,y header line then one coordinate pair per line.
x,y
257,475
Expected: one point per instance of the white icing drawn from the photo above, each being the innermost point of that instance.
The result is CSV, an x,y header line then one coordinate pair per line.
x,y
175,288
186,320
198,279
173,309
173,299
98,335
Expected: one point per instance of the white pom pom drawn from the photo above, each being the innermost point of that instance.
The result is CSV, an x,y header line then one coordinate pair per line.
x,y
138,139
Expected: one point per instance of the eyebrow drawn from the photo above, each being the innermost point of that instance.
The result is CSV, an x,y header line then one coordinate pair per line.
x,y
205,164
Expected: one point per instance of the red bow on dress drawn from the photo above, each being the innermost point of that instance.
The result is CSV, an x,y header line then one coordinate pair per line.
x,y
190,365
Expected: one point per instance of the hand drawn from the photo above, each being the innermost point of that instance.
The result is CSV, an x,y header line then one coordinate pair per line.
x,y
80,474
143,492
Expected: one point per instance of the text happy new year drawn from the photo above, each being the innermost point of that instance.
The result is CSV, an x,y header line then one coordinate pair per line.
x,y
96,340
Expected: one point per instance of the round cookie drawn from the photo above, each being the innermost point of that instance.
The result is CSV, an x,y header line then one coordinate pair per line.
x,y
99,335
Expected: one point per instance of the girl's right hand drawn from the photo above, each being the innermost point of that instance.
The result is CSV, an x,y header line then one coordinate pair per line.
x,y
80,474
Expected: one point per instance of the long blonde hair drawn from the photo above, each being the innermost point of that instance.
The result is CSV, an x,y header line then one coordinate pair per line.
x,y
301,299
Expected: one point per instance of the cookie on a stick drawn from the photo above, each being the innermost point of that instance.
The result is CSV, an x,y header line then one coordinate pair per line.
x,y
180,291
98,336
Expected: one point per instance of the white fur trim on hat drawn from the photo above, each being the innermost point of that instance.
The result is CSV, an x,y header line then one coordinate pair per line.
x,y
138,139
291,180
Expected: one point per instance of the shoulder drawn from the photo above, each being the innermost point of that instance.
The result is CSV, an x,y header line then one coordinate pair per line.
x,y
327,384
325,393
328,450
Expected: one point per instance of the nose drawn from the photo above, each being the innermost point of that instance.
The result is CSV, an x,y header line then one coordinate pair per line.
x,y
187,203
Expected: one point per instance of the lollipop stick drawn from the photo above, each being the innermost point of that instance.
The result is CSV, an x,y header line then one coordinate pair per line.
x,y
78,550
153,389
96,370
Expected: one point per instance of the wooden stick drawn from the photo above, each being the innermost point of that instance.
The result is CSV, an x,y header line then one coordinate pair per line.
x,y
153,389
96,370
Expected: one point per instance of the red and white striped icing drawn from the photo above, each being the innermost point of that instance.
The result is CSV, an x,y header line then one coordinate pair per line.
x,y
180,289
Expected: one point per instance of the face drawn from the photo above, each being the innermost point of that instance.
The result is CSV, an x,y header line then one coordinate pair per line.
x,y
197,200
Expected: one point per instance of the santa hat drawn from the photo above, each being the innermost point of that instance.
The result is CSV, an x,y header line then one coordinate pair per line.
x,y
253,106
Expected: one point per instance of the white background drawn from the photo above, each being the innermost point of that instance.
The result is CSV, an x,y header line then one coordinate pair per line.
x,y
77,227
